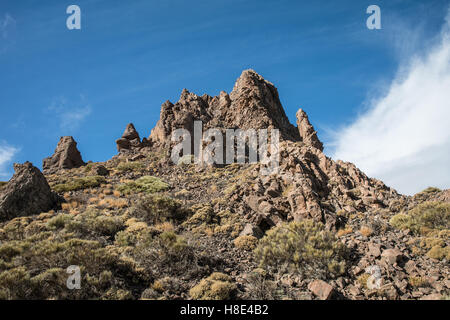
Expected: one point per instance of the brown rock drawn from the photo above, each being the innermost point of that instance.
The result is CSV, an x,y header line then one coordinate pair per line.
x,y
251,230
374,250
306,131
392,255
130,140
27,193
66,156
99,170
253,104
321,289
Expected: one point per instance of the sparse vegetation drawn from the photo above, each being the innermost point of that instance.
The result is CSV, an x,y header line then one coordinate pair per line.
x,y
303,247
426,217
246,242
147,184
130,166
217,286
80,183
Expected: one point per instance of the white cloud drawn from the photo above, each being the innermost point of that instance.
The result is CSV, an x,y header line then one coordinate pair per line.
x,y
70,114
404,136
6,23
7,26
7,153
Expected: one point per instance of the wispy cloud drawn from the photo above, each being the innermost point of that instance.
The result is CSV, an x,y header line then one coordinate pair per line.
x,y
7,153
70,114
404,136
7,26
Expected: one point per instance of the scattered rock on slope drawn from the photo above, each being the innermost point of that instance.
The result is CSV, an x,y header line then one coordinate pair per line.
x,y
66,156
27,193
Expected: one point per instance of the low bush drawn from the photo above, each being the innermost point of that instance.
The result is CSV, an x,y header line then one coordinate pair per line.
x,y
80,184
147,184
217,286
425,217
246,242
303,247
155,209
130,166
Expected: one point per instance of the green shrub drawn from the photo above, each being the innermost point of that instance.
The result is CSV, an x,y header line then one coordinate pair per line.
x,y
147,184
92,222
42,274
156,209
59,221
431,190
80,184
438,252
2,184
130,166
427,215
303,247
166,254
246,242
217,286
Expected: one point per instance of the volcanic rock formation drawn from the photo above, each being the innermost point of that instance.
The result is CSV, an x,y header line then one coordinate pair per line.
x,y
130,140
27,193
253,104
66,156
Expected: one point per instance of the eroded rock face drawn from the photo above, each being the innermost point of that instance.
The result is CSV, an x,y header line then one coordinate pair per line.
x,y
130,140
253,104
306,131
309,185
27,193
66,156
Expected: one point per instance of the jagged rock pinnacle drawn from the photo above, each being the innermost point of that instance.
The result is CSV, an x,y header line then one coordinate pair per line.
x,y
66,156
306,130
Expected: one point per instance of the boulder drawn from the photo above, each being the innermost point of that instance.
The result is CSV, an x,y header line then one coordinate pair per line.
x,y
321,289
66,156
27,193
392,255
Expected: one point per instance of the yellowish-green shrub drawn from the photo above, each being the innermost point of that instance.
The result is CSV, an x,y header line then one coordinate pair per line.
x,y
417,282
425,217
439,253
130,166
59,221
217,286
80,184
303,247
93,222
155,209
147,184
246,242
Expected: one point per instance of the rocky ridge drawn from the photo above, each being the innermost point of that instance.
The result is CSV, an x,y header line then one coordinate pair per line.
x,y
168,231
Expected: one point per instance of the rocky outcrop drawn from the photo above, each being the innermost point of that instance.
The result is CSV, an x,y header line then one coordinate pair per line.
x,y
27,193
253,104
307,133
309,185
130,140
66,156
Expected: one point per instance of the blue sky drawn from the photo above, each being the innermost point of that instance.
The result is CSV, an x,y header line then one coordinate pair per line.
x,y
131,56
